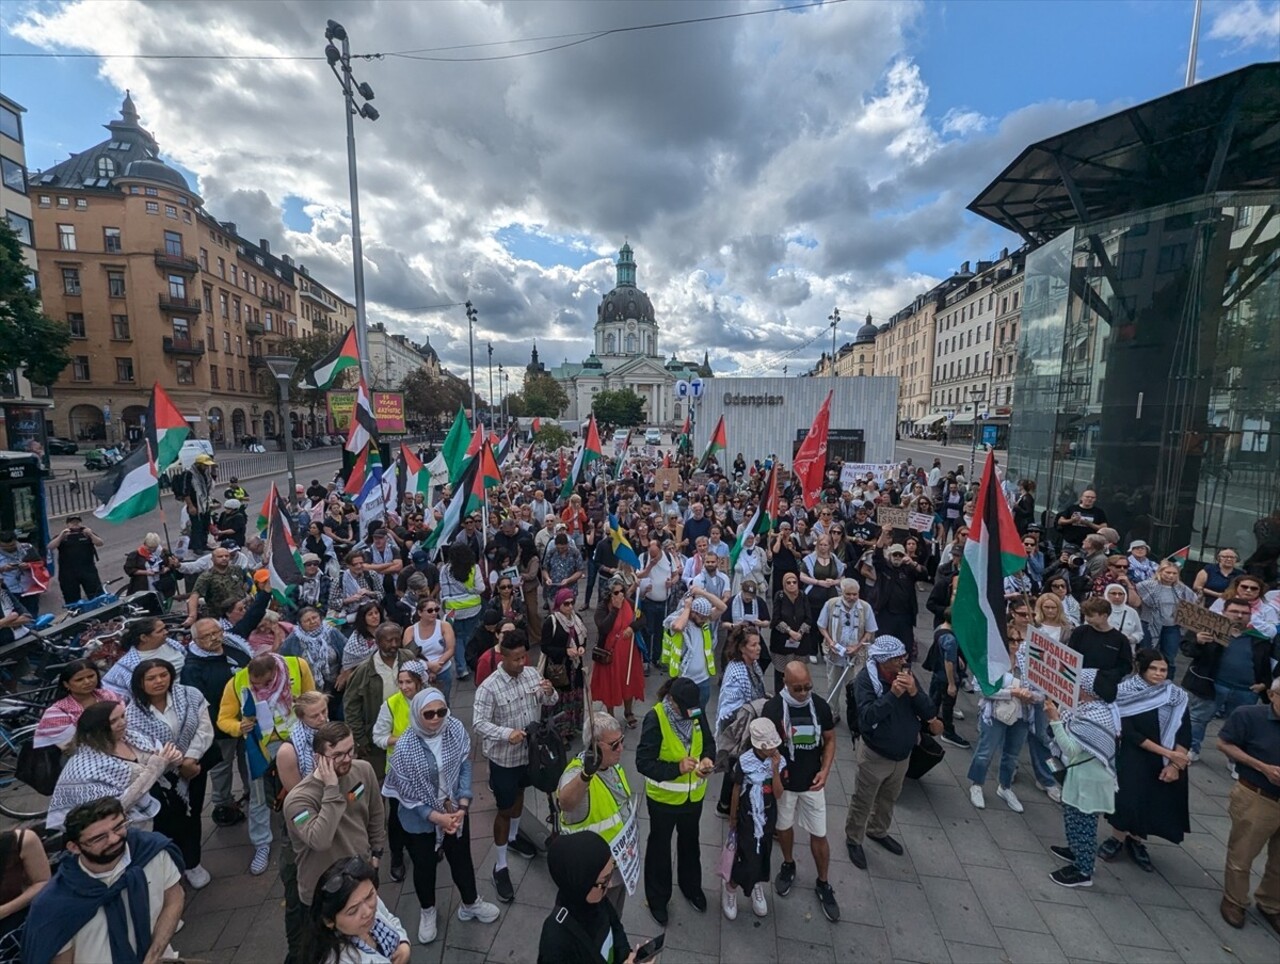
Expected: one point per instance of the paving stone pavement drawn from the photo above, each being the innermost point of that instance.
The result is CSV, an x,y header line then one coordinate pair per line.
x,y
973,886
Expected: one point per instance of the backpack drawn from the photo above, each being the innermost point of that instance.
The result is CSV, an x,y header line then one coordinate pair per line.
x,y
179,483
547,756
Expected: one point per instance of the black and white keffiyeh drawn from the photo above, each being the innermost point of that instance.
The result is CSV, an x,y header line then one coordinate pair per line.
x,y
188,705
884,648
416,777
384,936
90,775
303,739
1094,725
756,773
319,653
119,677
357,649
1135,695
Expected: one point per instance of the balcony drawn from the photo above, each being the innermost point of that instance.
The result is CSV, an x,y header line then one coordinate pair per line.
x,y
269,302
181,306
182,346
176,262
314,296
254,329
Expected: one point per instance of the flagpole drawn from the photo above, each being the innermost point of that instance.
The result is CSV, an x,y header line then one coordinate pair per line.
x,y
164,522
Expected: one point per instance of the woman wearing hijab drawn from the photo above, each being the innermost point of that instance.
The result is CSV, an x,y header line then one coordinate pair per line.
x,y
753,817
1151,764
583,927
564,640
392,722
1123,616
166,712
429,777
619,681
1086,742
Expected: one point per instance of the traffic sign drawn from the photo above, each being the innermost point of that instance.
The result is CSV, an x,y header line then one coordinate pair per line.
x,y
682,389
695,387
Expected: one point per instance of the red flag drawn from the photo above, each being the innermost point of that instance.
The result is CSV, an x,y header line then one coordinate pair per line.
x,y
564,468
666,460
355,481
474,447
811,461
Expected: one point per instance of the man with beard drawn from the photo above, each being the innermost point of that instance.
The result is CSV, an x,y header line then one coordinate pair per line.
x,y
896,604
119,900
335,812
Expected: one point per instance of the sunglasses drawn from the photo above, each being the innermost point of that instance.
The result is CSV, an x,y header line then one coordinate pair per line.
x,y
350,868
430,609
615,744
617,592
439,714
801,688
505,585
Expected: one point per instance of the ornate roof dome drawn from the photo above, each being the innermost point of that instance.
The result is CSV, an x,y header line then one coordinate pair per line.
x,y
625,301
866,334
593,362
156,170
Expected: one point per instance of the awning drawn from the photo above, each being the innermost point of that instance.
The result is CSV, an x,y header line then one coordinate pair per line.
x,y
964,418
928,421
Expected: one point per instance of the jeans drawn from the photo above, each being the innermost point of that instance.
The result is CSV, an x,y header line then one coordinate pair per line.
x,y
259,812
444,682
1038,740
993,736
1170,639
946,704
463,630
1203,710
222,775
654,614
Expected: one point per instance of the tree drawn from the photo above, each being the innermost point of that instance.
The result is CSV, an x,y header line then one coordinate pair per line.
x,y
621,409
428,397
28,338
308,349
552,437
543,397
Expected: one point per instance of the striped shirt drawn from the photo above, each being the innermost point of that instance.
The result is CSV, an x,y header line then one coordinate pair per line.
x,y
504,704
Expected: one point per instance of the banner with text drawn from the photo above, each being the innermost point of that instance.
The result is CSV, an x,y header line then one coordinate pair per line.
x,y
1055,668
852,472
1196,619
388,411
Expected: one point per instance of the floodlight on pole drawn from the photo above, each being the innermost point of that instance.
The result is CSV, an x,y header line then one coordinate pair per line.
x,y
283,367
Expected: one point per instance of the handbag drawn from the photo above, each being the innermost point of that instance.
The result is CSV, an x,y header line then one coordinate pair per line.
x,y
601,655
556,673
39,768
1007,712
724,869
925,755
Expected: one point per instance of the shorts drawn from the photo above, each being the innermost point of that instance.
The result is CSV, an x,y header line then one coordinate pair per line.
x,y
507,784
806,810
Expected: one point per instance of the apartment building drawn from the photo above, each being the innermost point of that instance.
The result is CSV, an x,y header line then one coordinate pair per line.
x,y
857,357
393,357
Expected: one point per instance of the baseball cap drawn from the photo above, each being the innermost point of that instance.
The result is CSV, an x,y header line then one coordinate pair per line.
x,y
897,549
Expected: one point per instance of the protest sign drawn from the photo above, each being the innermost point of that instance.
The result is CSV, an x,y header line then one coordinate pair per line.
x,y
851,472
893,516
1197,619
920,522
666,480
1055,668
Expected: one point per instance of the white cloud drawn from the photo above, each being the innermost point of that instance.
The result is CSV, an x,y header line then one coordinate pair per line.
x,y
1248,23
715,148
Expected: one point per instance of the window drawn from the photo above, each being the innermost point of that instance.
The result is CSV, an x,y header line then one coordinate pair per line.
x,y
222,304
186,217
186,372
152,192
209,338
1244,217
124,369
120,327
213,376
242,388
1129,264
80,368
45,200
107,168
111,241
268,326
115,284
1015,301
222,269
75,324
208,299
173,243
204,259
182,331
71,281
66,237
21,226
170,211
15,175
1172,257
235,275
226,343
239,346
10,124
231,378
64,203
177,287
235,308
153,207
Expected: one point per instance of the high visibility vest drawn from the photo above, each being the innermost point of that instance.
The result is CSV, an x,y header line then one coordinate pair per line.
x,y
468,601
604,815
280,725
399,708
673,650
687,788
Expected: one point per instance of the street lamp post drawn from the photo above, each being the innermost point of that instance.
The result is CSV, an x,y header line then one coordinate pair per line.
x,y
834,318
471,344
335,56
490,386
977,396
502,387
283,367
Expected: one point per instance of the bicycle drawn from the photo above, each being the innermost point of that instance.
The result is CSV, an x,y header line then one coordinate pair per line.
x,y
19,715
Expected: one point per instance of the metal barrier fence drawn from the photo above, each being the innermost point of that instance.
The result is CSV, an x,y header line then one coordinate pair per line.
x,y
65,497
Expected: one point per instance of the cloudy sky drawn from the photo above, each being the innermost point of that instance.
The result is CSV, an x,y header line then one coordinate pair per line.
x,y
765,168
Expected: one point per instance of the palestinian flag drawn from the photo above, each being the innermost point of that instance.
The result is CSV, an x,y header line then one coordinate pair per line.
x,y
809,467
622,456
255,742
414,477
1181,557
506,444
328,368
761,521
166,428
456,444
264,514
588,453
992,552
364,427
684,441
719,442
479,474
284,562
131,488
535,427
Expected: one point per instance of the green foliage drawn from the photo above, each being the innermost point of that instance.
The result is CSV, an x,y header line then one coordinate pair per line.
x,y
28,338
552,437
620,409
427,397
543,397
308,349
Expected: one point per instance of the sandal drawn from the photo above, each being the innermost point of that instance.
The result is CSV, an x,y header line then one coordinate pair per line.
x,y
631,721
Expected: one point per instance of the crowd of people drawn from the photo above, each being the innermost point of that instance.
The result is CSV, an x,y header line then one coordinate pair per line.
x,y
337,715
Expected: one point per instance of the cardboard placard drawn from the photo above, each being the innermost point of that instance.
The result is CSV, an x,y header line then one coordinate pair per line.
x,y
666,480
1197,619
850,472
893,516
920,522
1055,668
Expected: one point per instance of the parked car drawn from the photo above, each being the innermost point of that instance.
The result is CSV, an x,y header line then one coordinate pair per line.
x,y
61,446
652,436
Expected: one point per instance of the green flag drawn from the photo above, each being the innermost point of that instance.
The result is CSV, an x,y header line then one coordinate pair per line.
x,y
456,444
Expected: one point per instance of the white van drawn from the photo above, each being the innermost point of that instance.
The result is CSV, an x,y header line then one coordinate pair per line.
x,y
193,447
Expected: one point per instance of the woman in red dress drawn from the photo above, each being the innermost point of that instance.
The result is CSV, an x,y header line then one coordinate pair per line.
x,y
620,680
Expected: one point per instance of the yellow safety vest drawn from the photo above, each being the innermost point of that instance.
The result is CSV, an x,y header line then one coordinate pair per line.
x,y
604,815
399,708
673,650
280,725
468,601
688,788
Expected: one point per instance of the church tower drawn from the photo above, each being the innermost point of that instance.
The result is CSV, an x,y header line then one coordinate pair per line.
x,y
625,324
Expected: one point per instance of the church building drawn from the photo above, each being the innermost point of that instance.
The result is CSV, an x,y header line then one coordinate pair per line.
x,y
626,355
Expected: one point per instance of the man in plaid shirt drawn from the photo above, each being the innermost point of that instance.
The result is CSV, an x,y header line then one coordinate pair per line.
x,y
505,704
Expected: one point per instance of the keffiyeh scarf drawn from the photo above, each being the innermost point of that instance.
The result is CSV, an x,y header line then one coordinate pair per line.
x,y
756,773
1095,725
318,653
90,775
683,725
275,700
188,705
119,677
302,737
884,648
384,936
57,726
357,650
415,777
1135,695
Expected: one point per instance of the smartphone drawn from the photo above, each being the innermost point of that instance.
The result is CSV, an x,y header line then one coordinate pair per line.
x,y
650,949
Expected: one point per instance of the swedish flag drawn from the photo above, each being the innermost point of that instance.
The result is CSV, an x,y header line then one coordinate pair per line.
x,y
622,548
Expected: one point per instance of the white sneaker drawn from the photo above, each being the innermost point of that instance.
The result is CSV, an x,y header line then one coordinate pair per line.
x,y
1010,798
729,902
759,906
481,910
427,925
197,877
976,797
261,857
1054,793
957,714
1193,755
